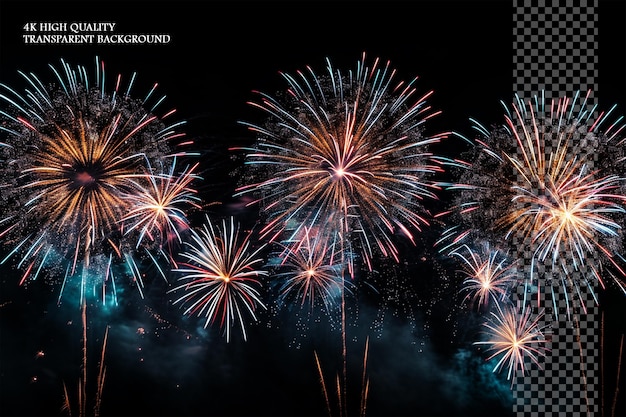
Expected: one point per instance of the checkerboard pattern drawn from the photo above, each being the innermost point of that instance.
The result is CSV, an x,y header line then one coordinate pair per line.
x,y
554,46
565,383
567,380
554,51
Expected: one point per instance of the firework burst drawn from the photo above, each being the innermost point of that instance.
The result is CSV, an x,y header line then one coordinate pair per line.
x,y
158,207
553,178
488,274
219,279
515,338
309,269
345,152
72,154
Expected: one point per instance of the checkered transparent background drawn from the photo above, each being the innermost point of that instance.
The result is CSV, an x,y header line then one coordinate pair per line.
x,y
554,51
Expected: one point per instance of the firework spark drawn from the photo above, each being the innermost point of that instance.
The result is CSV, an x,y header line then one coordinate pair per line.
x,y
158,207
220,279
516,338
488,274
309,270
73,154
346,152
549,174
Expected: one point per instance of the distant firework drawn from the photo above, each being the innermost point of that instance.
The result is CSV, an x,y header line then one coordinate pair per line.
x,y
309,270
555,176
220,278
76,160
345,151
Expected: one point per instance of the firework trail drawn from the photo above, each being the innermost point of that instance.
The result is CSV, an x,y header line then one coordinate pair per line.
x,y
220,278
82,381
617,384
603,373
516,338
346,152
341,401
76,167
323,384
552,175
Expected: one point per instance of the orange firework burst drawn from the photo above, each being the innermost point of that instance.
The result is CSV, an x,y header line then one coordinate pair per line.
x,y
554,178
488,274
311,270
77,156
347,152
158,206
516,338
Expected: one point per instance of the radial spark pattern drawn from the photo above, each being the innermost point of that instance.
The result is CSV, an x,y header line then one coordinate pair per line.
x,y
488,274
309,269
158,207
556,176
345,151
515,338
73,153
220,278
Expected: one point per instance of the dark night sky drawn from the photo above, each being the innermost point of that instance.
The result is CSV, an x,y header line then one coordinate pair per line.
x,y
422,361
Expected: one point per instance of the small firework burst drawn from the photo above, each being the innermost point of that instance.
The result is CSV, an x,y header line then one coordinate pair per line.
x,y
516,338
489,274
220,278
158,207
309,270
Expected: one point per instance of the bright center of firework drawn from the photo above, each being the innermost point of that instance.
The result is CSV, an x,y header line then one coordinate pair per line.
x,y
567,216
338,172
563,215
225,278
310,272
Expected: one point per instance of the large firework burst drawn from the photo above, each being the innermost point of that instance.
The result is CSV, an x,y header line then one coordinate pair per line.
x,y
220,278
553,176
76,158
345,151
